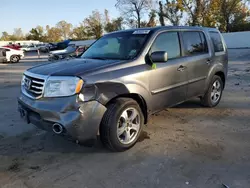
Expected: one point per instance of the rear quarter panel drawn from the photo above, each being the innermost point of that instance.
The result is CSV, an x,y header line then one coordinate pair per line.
x,y
219,60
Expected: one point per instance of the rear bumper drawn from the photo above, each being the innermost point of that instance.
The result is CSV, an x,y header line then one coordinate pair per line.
x,y
80,120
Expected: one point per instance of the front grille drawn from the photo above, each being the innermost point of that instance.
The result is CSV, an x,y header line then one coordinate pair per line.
x,y
34,86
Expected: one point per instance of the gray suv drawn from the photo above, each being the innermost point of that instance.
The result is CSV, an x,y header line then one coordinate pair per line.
x,y
123,78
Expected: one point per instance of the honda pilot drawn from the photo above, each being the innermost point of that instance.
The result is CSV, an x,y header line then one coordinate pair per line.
x,y
121,80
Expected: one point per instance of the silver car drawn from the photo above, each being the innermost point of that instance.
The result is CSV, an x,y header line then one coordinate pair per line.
x,y
123,78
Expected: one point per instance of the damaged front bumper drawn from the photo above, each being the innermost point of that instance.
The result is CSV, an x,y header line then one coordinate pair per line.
x,y
80,120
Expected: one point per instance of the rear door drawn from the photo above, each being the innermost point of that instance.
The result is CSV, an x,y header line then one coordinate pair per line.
x,y
198,59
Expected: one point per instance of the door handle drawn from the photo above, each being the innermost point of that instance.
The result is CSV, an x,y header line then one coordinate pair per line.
x,y
181,68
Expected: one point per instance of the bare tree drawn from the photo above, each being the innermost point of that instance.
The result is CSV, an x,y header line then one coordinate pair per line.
x,y
133,9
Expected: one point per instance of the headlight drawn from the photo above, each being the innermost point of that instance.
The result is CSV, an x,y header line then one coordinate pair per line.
x,y
62,86
23,80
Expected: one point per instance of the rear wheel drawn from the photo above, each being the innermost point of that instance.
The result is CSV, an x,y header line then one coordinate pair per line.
x,y
214,93
121,125
14,59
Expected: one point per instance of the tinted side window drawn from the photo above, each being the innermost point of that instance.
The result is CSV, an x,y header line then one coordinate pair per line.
x,y
217,42
168,42
194,43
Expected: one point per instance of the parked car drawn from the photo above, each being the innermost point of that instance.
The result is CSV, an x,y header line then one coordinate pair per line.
x,y
10,55
55,46
70,52
31,47
13,46
28,48
45,48
122,79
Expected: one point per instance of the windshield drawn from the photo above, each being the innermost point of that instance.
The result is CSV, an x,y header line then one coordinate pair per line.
x,y
124,45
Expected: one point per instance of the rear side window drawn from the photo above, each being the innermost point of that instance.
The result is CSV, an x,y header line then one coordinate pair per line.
x,y
194,43
217,42
168,42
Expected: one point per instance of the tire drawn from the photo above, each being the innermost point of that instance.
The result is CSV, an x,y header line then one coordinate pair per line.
x,y
14,59
114,119
214,93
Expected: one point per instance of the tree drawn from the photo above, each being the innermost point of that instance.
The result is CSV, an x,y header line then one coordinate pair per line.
x,y
79,33
239,22
93,25
193,9
172,10
133,10
151,22
36,34
17,34
106,14
5,36
232,11
152,17
53,34
161,14
65,29
114,25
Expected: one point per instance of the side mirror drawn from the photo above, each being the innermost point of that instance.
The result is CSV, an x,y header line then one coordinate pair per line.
x,y
159,57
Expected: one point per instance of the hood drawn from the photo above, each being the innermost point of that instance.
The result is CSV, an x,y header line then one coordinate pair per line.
x,y
76,67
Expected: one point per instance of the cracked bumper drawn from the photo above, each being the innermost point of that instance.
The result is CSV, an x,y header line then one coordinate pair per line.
x,y
80,120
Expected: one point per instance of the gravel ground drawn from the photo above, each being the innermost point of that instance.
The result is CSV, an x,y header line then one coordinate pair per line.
x,y
184,146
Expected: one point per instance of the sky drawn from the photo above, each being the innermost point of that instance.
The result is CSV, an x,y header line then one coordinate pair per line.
x,y
26,14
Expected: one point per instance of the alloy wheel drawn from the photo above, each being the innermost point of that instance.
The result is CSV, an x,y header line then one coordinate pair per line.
x,y
216,92
128,125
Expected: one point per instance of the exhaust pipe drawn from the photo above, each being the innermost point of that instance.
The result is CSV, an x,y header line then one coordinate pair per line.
x,y
57,128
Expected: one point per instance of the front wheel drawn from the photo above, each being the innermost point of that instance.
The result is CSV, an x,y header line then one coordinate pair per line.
x,y
14,59
213,95
121,125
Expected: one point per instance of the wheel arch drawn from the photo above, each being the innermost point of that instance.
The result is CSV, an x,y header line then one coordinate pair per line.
x,y
222,76
138,98
218,70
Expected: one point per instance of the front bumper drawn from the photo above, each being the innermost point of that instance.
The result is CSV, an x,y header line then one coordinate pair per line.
x,y
80,120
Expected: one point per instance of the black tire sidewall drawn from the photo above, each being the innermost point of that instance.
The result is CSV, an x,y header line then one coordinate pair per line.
x,y
120,106
13,57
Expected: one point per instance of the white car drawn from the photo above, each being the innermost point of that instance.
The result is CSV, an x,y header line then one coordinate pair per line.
x,y
29,48
10,55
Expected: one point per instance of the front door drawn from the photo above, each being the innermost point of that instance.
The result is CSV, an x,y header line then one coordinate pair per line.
x,y
168,80
198,61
